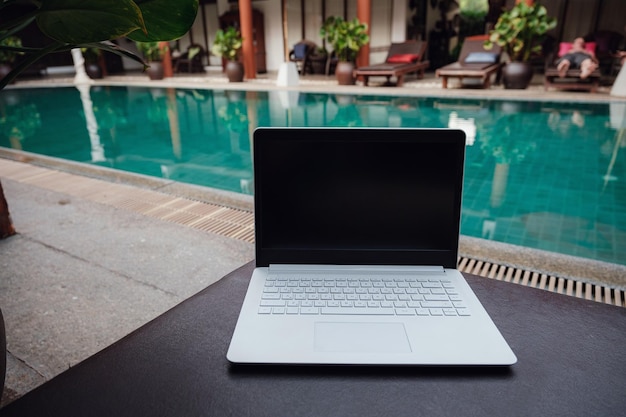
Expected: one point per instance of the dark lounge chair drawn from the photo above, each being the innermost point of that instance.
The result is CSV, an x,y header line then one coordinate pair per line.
x,y
402,58
607,42
301,55
190,60
474,62
571,80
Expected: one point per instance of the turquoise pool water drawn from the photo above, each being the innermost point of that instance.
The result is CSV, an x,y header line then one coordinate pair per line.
x,y
546,175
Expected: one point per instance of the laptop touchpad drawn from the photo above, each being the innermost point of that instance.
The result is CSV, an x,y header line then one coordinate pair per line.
x,y
361,337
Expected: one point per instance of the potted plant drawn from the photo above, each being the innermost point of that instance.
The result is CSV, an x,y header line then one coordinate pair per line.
x,y
519,32
153,53
7,56
472,15
346,38
92,62
227,45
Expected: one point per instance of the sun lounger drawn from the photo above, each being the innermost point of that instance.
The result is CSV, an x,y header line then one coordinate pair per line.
x,y
301,55
571,80
474,62
402,58
191,60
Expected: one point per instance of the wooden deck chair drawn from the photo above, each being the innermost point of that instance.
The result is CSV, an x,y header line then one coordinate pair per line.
x,y
571,80
474,62
402,58
301,53
190,60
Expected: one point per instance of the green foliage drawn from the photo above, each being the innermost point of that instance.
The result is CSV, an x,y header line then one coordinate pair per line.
x,y
193,51
165,20
90,54
227,43
346,37
234,116
472,13
519,31
7,56
93,20
473,9
499,139
20,122
151,51
79,23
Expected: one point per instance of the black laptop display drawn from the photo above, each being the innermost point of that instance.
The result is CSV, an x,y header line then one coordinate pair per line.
x,y
344,198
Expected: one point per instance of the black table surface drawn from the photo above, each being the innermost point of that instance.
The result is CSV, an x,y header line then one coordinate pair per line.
x,y
571,362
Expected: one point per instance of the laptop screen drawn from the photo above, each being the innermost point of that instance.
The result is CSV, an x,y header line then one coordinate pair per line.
x,y
358,196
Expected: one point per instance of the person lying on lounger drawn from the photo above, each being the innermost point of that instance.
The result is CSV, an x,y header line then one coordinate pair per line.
x,y
578,57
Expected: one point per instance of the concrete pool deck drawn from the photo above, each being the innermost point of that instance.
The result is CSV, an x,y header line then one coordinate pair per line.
x,y
99,253
429,86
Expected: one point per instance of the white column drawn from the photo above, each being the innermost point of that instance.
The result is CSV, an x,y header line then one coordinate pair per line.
x,y
288,75
81,76
97,150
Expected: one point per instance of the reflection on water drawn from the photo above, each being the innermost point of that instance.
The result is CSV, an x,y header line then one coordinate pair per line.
x,y
539,174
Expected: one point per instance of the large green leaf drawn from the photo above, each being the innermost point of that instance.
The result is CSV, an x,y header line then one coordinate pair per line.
x,y
80,21
30,59
165,19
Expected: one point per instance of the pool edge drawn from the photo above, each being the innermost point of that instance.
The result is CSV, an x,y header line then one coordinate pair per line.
x,y
484,251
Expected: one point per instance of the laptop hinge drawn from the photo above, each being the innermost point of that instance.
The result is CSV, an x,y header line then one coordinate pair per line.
x,y
280,268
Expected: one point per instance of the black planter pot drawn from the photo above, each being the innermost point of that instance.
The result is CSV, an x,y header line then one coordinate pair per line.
x,y
5,69
318,64
344,73
234,71
93,70
517,75
155,71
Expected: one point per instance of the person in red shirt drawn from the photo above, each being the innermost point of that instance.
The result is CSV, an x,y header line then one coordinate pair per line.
x,y
578,57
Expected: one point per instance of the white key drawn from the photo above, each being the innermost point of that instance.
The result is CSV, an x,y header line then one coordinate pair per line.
x,y
358,311
272,303
436,304
436,297
422,311
405,311
309,310
270,296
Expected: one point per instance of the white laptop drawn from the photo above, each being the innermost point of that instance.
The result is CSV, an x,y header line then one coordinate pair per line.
x,y
357,233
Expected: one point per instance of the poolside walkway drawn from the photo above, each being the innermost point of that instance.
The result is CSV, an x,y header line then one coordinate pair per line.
x,y
86,268
99,253
429,86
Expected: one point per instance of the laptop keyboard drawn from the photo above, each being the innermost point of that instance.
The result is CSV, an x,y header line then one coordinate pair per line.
x,y
408,295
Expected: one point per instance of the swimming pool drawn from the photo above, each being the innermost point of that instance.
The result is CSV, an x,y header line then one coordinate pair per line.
x,y
544,175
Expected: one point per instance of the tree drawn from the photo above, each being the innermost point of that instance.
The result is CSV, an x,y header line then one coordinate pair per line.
x,y
73,24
